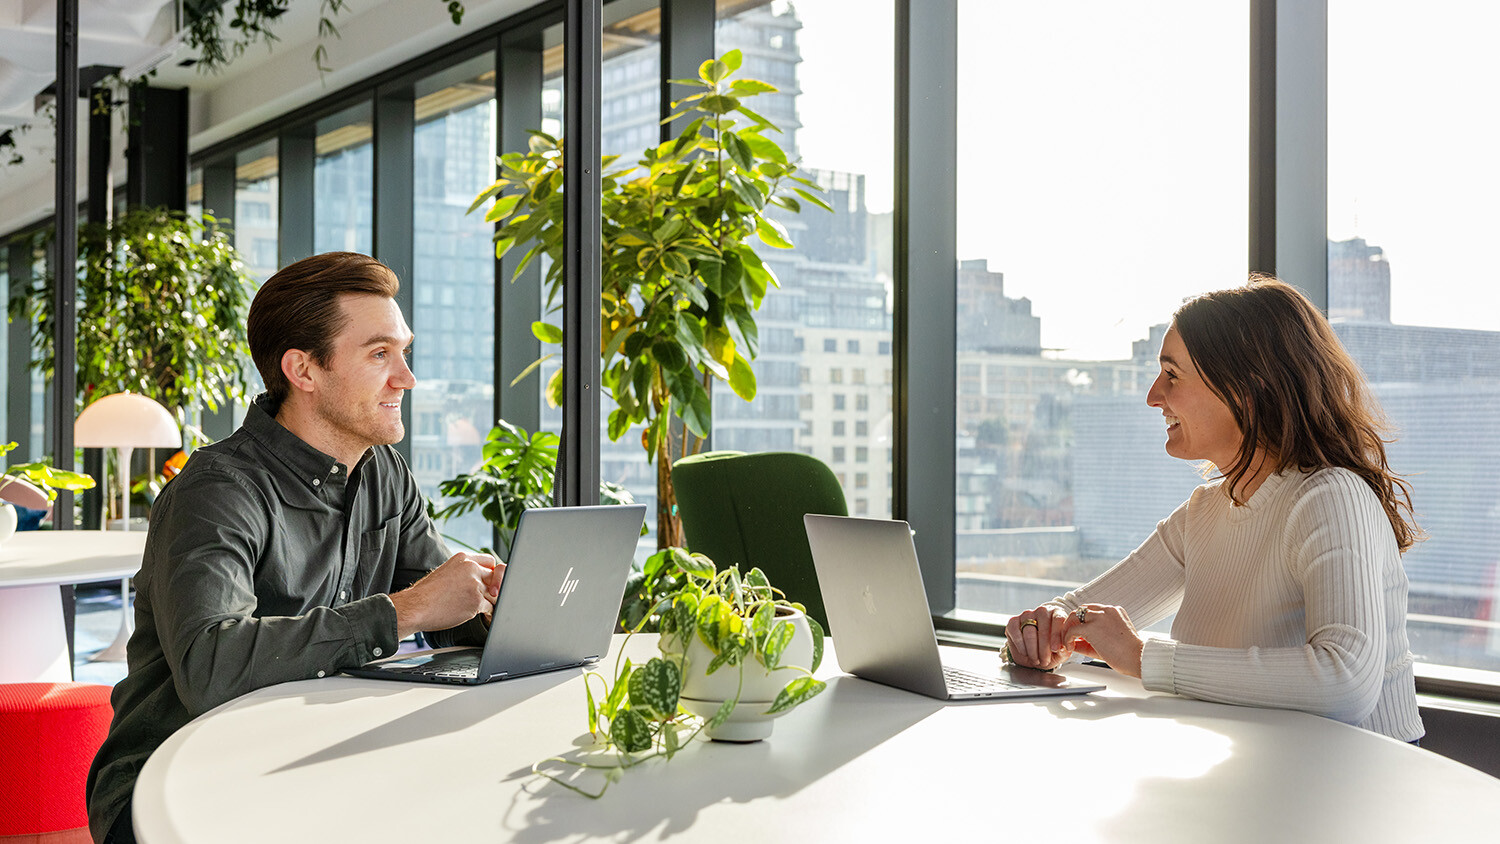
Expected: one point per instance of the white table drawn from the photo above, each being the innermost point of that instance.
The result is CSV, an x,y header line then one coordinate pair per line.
x,y
33,636
342,759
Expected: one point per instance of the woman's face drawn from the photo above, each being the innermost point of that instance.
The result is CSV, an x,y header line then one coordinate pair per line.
x,y
1200,426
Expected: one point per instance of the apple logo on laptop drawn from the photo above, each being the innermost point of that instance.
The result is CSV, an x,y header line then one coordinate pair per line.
x,y
869,597
567,587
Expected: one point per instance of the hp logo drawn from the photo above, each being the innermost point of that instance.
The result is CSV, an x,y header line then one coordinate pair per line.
x,y
568,585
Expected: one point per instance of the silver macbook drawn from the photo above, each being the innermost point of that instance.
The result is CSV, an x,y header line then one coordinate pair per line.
x,y
557,606
882,626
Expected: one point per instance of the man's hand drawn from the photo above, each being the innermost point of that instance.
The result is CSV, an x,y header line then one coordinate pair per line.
x,y
454,592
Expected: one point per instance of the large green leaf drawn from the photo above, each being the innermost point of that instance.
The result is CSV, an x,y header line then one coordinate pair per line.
x,y
796,692
655,687
669,354
772,233
742,378
739,151
630,732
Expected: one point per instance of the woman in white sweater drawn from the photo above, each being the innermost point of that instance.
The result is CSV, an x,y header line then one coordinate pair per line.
x,y
1285,571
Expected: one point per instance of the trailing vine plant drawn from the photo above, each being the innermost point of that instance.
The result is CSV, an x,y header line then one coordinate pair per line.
x,y
638,717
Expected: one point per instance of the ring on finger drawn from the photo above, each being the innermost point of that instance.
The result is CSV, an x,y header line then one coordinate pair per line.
x,y
1030,622
1082,615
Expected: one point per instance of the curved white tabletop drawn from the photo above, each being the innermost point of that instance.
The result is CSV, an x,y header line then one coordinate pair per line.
x,y
342,759
33,639
54,557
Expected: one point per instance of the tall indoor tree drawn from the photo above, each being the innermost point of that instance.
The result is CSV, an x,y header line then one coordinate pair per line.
x,y
681,280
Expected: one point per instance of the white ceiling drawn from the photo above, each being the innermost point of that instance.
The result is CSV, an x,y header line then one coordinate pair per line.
x,y
261,84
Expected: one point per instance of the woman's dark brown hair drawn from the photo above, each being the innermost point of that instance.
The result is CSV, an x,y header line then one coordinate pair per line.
x,y
299,308
1274,360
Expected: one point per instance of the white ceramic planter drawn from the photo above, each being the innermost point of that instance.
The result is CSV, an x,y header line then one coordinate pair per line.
x,y
702,693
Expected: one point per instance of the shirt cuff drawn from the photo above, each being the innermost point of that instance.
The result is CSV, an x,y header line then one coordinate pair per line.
x,y
373,620
1156,665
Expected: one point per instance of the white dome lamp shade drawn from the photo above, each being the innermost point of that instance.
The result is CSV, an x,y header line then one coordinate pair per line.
x,y
125,421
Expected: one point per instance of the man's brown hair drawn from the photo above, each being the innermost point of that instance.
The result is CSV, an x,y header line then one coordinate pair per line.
x,y
1272,357
299,308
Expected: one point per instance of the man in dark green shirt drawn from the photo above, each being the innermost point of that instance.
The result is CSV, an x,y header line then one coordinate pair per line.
x,y
299,545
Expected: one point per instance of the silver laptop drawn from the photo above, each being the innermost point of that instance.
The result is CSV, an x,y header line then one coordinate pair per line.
x,y
557,606
881,623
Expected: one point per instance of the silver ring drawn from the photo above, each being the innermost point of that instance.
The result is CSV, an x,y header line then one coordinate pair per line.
x,y
1082,615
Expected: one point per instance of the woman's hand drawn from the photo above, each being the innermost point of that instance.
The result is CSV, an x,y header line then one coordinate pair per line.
x,y
1100,631
1036,638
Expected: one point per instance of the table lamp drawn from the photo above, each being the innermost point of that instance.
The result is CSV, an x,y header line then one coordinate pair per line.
x,y
124,421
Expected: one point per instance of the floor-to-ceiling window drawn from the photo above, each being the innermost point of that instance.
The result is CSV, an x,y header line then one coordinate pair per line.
x,y
629,111
453,281
1412,288
824,372
344,182
256,196
1101,170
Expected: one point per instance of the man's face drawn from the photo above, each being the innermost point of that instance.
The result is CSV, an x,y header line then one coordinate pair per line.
x,y
362,382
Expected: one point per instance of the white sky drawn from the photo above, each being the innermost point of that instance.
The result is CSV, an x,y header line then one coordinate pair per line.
x,y
1102,159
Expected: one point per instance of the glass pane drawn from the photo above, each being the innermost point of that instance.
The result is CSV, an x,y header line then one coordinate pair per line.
x,y
1412,292
629,109
256,198
453,282
824,368
1102,153
344,182
195,193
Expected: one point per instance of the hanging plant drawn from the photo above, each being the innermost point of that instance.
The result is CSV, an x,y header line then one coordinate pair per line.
x,y
251,21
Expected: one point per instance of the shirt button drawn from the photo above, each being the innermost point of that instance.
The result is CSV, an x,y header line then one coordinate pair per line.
x,y
343,596
317,481
320,673
377,652
335,470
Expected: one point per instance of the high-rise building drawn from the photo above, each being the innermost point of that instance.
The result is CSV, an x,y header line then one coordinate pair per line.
x,y
1359,282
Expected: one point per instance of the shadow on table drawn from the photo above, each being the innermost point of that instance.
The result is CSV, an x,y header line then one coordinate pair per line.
x,y
661,798
458,711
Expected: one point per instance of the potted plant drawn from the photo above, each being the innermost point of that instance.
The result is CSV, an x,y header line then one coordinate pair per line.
x,y
514,474
734,654
32,485
681,280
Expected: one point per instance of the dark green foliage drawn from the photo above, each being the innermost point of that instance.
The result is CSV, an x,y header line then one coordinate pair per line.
x,y
162,300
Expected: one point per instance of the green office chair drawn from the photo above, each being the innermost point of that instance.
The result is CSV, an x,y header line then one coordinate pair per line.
x,y
746,510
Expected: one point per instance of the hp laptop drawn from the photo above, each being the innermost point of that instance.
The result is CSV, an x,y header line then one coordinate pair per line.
x,y
557,605
877,609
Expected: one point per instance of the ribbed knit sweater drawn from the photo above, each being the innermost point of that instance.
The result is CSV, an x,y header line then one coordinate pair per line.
x,y
1296,600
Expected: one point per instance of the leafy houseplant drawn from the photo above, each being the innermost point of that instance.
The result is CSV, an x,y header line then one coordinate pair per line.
x,y
162,306
514,474
680,279
711,622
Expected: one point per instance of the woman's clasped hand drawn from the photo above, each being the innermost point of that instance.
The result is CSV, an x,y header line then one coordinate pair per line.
x,y
1046,636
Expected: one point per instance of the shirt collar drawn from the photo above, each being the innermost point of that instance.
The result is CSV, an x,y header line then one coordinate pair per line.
x,y
311,465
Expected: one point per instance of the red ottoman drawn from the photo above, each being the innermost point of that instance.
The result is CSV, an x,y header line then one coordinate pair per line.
x,y
49,733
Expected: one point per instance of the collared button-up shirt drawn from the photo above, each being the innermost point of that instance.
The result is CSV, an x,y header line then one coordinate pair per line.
x,y
266,561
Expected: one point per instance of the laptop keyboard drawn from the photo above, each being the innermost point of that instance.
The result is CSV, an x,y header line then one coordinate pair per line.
x,y
442,669
961,681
